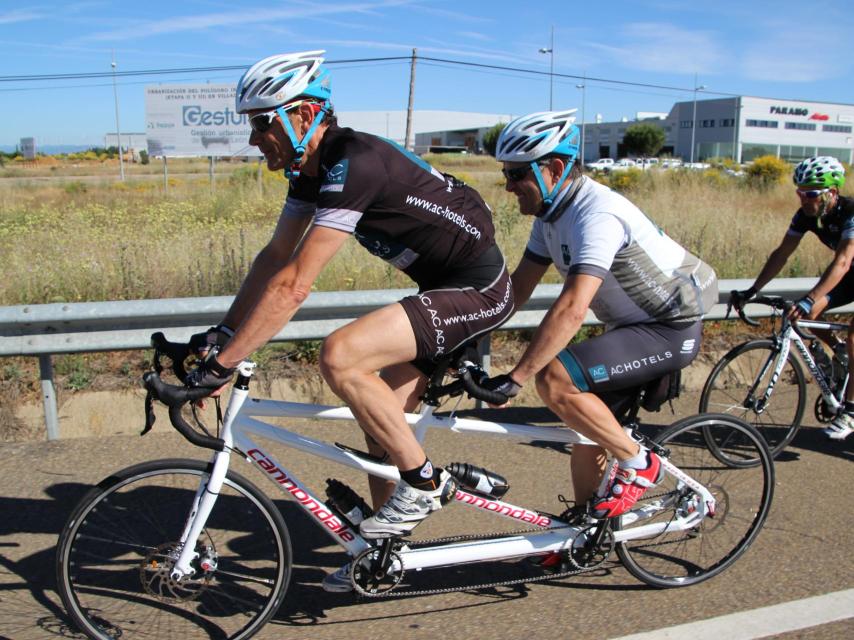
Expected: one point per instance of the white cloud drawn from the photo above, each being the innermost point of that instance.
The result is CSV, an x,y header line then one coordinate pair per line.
x,y
474,35
664,47
176,24
19,15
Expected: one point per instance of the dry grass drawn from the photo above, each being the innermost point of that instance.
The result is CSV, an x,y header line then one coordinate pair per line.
x,y
78,240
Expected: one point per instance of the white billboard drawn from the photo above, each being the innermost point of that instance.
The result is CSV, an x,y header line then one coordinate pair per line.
x,y
195,120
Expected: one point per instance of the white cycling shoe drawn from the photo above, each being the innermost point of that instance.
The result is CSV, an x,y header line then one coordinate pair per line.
x,y
841,427
407,508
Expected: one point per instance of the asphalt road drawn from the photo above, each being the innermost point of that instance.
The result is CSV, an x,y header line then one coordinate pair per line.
x,y
803,550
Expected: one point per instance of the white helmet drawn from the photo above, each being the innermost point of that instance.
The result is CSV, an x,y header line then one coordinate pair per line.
x,y
529,138
282,78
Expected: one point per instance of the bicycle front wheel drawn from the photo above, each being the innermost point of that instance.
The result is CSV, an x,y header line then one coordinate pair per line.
x,y
742,500
117,549
740,380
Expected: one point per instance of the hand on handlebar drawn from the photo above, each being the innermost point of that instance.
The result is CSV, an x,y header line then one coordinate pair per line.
x,y
503,384
801,309
739,298
218,336
210,374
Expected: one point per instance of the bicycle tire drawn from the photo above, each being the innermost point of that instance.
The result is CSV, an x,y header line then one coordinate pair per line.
x,y
728,390
123,531
743,499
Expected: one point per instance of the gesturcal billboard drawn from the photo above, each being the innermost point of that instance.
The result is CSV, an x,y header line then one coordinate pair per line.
x,y
195,120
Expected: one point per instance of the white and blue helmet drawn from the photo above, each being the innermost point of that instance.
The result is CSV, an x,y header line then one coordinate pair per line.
x,y
529,138
283,78
537,136
275,82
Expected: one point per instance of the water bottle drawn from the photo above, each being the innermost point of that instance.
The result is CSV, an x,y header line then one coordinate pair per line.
x,y
478,479
347,502
840,361
822,360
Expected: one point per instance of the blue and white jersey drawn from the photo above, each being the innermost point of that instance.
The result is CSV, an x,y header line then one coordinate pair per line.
x,y
646,276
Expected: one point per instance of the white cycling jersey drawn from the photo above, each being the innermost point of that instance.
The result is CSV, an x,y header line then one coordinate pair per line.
x,y
646,276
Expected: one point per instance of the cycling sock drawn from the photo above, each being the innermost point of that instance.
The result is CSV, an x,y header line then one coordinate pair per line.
x,y
640,461
424,476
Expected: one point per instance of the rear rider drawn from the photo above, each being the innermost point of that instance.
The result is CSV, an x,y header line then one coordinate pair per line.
x,y
429,225
648,290
831,217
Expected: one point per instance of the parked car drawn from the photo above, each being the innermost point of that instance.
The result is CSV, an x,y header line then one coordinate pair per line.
x,y
602,164
624,163
647,163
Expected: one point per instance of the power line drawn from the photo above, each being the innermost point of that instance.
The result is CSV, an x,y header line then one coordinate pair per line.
x,y
490,67
153,72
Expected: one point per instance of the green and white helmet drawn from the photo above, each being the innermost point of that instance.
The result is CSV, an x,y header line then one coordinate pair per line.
x,y
820,171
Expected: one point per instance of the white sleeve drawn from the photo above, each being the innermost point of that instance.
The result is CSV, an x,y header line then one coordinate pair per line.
x,y
596,238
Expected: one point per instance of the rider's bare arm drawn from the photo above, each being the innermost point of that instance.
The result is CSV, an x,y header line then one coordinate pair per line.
x,y
777,260
272,258
283,293
526,276
560,324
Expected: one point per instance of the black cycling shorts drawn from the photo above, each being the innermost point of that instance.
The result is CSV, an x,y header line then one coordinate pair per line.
x,y
843,293
445,318
628,356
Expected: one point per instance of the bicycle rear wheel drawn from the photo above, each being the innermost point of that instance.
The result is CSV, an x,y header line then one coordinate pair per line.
x,y
743,498
741,378
117,549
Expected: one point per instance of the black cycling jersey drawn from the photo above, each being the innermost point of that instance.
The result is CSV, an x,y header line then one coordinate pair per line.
x,y
831,227
427,224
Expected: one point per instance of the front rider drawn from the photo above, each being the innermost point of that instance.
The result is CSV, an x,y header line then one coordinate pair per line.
x,y
649,291
430,225
831,217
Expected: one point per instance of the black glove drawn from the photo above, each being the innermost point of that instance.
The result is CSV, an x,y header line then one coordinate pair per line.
x,y
503,384
201,343
740,298
210,374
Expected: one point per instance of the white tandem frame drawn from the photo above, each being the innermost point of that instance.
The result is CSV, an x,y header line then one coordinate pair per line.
x,y
240,423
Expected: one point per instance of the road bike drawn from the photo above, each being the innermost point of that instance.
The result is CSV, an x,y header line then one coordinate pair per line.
x,y
185,548
761,381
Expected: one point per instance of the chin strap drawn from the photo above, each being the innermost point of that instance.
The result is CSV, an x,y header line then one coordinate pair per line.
x,y
549,196
299,145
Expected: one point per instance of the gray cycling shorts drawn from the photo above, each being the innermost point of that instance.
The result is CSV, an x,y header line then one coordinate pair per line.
x,y
629,356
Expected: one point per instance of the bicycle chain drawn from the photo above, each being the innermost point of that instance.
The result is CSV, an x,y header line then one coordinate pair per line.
x,y
473,587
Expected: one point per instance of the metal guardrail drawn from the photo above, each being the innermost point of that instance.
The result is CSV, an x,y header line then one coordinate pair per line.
x,y
50,329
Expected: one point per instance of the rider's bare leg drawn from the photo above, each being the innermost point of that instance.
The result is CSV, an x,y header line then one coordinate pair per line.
x,y
349,361
587,414
408,384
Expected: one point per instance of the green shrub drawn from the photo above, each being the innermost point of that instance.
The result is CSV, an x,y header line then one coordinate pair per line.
x,y
490,138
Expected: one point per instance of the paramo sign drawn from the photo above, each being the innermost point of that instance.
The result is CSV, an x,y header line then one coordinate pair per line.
x,y
790,111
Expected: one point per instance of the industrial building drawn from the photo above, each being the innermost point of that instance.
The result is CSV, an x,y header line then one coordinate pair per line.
x,y
742,128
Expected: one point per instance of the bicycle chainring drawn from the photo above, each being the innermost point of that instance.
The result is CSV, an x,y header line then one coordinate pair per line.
x,y
589,557
370,578
823,413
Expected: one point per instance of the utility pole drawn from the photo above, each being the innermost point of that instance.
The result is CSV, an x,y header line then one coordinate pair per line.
x,y
411,101
583,87
118,129
694,117
551,51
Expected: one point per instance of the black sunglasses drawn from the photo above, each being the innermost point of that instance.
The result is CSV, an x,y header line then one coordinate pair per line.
x,y
519,173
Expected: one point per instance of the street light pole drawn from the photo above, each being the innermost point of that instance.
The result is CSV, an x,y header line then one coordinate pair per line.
x,y
551,51
583,87
118,129
694,117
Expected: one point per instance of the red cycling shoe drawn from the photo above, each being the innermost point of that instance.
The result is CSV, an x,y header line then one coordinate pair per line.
x,y
627,487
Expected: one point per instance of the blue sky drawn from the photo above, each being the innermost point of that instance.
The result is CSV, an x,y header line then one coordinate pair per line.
x,y
780,49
